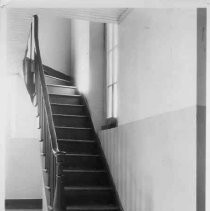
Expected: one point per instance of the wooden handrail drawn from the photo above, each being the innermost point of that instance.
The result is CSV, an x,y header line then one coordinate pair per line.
x,y
54,144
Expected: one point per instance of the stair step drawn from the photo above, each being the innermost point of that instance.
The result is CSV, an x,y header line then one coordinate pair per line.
x,y
83,188
71,120
83,171
68,109
78,146
61,89
89,195
92,208
55,80
86,178
82,155
83,161
74,133
66,99
63,86
72,140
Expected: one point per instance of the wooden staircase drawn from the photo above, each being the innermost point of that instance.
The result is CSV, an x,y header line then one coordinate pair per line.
x,y
75,171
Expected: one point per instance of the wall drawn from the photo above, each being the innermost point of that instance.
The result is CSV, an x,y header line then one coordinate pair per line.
x,y
87,65
80,53
95,95
55,40
3,105
157,52
52,28
152,154
153,161
23,164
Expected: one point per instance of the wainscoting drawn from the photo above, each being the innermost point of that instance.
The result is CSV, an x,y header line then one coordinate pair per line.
x,y
153,161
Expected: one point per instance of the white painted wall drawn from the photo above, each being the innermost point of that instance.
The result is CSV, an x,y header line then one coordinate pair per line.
x,y
157,62
54,38
153,161
80,54
54,35
23,164
96,94
88,65
23,170
152,154
3,105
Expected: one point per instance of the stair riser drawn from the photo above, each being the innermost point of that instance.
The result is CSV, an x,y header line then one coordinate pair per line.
x,y
72,209
55,81
86,179
89,197
61,90
83,162
71,121
70,110
65,99
78,147
77,134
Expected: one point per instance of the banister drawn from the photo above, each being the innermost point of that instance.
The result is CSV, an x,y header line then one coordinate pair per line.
x,y
54,144
36,86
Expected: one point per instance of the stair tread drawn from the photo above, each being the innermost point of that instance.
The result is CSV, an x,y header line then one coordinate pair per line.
x,y
73,140
77,128
88,188
93,207
71,115
83,171
64,86
66,95
50,76
65,104
82,154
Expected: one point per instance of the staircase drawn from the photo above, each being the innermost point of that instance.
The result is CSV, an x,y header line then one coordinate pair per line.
x,y
75,171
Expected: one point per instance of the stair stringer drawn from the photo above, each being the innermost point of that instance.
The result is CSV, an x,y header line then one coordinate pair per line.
x,y
102,152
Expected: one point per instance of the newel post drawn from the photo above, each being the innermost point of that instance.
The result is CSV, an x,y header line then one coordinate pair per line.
x,y
58,195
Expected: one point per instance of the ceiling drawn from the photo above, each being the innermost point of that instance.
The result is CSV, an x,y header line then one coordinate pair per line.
x,y
105,3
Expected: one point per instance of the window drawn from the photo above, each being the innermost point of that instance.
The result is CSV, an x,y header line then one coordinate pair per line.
x,y
112,69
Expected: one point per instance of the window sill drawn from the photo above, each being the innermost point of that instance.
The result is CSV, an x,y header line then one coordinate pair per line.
x,y
110,123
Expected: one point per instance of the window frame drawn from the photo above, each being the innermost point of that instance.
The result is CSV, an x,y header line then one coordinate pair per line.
x,y
111,85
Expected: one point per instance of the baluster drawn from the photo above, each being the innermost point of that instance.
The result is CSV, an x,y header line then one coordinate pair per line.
x,y
45,132
51,177
41,116
54,174
58,196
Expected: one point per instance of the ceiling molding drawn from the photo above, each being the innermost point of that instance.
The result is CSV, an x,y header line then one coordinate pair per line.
x,y
103,15
124,14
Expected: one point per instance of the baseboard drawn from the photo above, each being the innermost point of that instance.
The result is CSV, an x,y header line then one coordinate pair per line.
x,y
23,203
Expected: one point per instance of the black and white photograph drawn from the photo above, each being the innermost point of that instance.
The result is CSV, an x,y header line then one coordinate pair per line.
x,y
104,105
